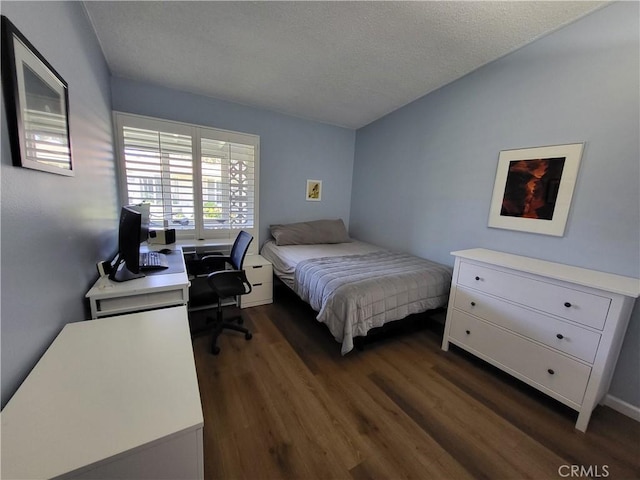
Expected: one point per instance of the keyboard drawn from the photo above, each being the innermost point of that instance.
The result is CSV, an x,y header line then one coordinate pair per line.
x,y
153,261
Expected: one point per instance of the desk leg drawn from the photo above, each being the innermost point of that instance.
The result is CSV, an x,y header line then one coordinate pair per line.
x,y
94,308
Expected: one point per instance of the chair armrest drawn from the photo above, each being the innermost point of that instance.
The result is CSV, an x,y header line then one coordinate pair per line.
x,y
207,264
215,258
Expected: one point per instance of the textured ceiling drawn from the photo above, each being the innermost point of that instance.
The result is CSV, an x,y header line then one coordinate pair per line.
x,y
342,63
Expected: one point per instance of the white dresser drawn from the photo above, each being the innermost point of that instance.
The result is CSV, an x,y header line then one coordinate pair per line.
x,y
556,327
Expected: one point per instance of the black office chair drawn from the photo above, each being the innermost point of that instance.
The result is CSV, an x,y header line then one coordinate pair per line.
x,y
229,283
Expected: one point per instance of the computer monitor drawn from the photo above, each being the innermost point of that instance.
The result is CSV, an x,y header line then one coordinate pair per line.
x,y
126,265
144,209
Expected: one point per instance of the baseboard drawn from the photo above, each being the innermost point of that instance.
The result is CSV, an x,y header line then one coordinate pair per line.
x,y
623,407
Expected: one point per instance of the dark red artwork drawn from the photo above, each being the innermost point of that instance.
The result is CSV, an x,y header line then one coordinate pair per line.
x,y
532,188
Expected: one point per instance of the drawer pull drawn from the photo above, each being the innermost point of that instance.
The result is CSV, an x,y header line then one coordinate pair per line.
x,y
550,370
473,304
257,266
468,332
560,336
567,304
477,278
257,284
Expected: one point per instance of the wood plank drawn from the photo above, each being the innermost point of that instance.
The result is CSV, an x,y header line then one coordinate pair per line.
x,y
549,422
287,405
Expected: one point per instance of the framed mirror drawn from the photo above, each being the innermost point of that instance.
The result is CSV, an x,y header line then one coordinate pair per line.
x,y
37,106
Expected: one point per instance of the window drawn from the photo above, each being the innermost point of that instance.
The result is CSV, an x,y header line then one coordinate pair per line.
x,y
199,180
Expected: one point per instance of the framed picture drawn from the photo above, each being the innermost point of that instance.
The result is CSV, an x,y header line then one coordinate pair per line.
x,y
37,106
533,188
314,190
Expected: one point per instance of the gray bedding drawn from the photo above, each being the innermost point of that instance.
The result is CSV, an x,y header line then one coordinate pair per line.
x,y
355,293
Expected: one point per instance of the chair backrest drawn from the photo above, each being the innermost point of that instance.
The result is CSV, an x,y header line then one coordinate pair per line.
x,y
239,249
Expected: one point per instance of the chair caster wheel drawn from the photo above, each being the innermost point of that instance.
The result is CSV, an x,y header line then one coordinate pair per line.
x,y
248,336
215,350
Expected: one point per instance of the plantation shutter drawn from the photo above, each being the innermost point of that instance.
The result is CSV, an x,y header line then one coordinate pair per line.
x,y
159,171
228,185
201,181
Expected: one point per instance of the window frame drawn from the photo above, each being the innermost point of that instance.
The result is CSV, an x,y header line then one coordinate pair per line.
x,y
197,133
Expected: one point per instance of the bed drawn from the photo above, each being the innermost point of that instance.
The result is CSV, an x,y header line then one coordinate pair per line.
x,y
353,285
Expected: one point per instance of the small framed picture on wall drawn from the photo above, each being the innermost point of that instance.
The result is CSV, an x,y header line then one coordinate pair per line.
x,y
314,190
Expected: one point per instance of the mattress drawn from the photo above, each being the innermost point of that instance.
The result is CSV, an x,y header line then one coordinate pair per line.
x,y
356,286
285,257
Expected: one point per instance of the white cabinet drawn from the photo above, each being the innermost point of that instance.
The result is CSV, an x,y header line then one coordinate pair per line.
x,y
112,398
556,327
260,274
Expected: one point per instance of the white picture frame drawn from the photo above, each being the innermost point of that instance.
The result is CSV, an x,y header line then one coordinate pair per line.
x,y
314,190
534,187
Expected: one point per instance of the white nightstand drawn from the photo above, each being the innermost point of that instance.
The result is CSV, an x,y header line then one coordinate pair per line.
x,y
260,274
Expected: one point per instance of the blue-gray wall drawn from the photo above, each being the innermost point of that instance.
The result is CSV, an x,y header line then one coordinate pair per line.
x,y
424,174
55,228
292,150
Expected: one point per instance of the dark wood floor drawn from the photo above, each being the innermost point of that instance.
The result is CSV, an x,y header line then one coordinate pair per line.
x,y
287,405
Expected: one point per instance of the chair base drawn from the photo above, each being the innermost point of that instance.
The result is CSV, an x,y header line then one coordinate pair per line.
x,y
220,325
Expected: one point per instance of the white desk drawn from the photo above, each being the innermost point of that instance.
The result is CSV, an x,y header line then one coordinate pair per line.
x,y
159,290
110,398
156,290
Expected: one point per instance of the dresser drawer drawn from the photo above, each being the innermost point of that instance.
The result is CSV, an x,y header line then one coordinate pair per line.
x,y
566,337
261,294
540,365
259,273
575,305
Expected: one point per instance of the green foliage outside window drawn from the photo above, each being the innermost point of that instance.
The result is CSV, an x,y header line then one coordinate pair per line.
x,y
212,210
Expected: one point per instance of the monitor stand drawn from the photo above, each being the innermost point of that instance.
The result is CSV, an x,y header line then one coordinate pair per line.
x,y
120,272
